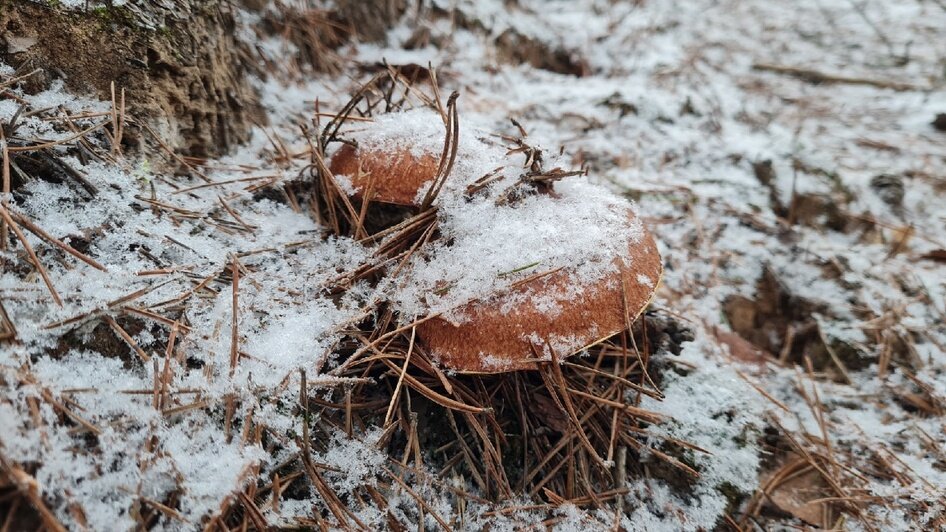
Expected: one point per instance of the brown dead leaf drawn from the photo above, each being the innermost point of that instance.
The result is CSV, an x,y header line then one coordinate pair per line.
x,y
740,348
545,408
794,495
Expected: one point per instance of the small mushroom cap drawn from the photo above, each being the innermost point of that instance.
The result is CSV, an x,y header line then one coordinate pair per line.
x,y
394,176
494,341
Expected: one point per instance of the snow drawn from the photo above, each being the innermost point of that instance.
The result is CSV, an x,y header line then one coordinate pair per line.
x,y
584,231
285,320
355,462
672,114
419,131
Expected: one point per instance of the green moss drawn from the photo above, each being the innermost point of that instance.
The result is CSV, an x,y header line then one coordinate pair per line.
x,y
109,16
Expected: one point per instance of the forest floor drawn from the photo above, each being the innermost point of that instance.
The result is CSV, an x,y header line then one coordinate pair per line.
x,y
790,161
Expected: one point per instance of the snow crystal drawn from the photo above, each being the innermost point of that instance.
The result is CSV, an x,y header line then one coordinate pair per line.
x,y
355,462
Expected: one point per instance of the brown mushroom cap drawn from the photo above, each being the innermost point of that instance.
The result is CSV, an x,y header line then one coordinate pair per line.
x,y
494,341
503,333
394,176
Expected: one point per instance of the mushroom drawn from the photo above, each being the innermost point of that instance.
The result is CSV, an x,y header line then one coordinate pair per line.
x,y
396,154
495,338
395,176
512,330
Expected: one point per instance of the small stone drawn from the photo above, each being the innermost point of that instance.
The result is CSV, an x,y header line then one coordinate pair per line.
x,y
16,45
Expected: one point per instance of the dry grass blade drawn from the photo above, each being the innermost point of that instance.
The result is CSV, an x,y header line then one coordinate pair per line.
x,y
33,258
558,381
235,318
119,126
16,79
419,499
332,193
38,231
331,129
7,329
817,77
253,511
43,145
29,487
400,380
171,153
127,338
4,229
640,413
434,396
449,155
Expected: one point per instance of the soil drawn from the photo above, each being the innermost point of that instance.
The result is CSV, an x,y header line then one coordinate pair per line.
x,y
187,78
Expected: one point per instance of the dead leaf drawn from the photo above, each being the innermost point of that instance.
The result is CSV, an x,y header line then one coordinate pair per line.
x,y
794,496
546,409
740,348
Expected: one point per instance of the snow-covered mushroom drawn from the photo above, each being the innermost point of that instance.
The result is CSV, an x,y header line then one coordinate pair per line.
x,y
396,155
394,175
515,330
590,266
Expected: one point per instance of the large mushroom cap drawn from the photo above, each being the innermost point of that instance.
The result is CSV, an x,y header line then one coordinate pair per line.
x,y
394,175
512,331
595,266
